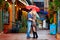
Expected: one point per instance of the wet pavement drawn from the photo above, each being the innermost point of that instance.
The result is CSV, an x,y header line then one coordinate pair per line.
x,y
43,35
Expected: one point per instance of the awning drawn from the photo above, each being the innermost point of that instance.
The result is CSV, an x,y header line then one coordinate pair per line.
x,y
25,3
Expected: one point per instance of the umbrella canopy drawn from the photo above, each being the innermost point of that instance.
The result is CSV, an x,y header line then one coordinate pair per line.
x,y
28,7
43,12
33,7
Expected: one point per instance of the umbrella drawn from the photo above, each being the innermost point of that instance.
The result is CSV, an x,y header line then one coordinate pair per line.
x,y
43,12
28,7
33,7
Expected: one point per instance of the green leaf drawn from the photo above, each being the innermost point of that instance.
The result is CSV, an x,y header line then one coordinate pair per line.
x,y
51,20
7,5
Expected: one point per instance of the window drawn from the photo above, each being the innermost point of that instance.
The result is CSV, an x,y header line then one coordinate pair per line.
x,y
6,17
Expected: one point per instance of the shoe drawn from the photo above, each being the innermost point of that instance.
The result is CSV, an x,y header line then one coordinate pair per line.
x,y
36,36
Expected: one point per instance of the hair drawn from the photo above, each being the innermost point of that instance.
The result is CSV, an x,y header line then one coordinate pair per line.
x,y
30,10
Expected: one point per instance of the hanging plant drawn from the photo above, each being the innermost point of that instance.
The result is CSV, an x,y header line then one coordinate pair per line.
x,y
1,2
6,6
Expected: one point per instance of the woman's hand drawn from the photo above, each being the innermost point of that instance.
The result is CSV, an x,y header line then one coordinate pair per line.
x,y
33,20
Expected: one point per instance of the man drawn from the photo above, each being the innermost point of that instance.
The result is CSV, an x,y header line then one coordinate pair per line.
x,y
29,23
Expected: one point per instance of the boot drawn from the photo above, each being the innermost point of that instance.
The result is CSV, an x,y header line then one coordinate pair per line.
x,y
36,35
33,34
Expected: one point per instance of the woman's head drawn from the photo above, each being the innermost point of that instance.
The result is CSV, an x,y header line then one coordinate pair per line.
x,y
32,11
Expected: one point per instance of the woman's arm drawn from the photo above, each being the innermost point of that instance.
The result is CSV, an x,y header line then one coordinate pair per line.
x,y
37,16
30,19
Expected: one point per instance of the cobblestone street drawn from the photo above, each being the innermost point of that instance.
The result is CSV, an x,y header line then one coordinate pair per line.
x,y
43,35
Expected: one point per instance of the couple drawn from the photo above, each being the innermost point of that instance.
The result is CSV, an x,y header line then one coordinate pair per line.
x,y
32,22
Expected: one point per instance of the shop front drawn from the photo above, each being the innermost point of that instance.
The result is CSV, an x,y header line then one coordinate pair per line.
x,y
15,17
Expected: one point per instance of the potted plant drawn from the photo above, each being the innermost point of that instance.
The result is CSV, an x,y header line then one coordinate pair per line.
x,y
54,6
24,22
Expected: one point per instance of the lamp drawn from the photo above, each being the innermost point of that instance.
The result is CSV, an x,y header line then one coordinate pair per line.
x,y
15,5
5,0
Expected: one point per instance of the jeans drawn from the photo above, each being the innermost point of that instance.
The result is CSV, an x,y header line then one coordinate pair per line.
x,y
28,28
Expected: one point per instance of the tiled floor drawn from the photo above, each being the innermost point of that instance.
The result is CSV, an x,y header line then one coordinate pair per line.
x,y
43,35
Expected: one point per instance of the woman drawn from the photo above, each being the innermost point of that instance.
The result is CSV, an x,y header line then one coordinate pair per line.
x,y
34,25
